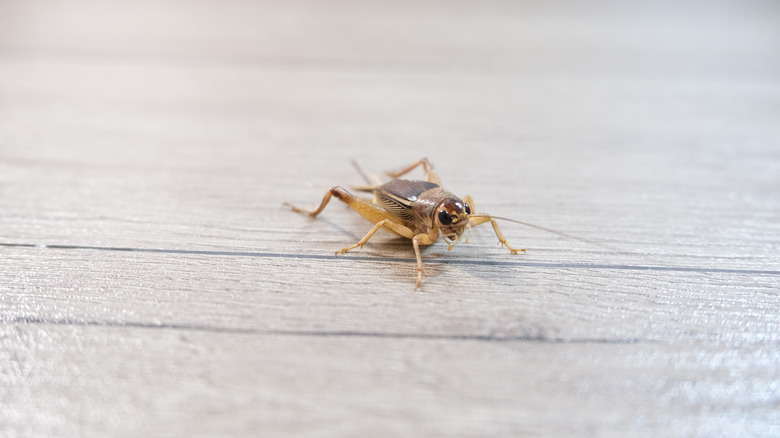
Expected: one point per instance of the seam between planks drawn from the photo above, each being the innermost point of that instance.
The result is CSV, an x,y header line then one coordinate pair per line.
x,y
537,338
453,261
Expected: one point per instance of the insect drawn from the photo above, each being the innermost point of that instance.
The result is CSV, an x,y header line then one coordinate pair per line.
x,y
417,210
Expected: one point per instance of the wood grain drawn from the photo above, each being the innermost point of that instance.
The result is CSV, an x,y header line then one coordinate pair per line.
x,y
153,284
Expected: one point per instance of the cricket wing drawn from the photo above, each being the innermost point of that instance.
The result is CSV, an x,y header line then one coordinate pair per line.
x,y
398,195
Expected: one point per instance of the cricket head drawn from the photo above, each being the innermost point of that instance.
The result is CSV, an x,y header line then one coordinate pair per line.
x,y
452,219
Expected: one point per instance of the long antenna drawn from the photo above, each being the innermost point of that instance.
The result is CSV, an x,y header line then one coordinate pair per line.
x,y
372,181
548,230
360,171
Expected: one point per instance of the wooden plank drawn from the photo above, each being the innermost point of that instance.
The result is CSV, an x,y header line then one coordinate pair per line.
x,y
152,282
137,380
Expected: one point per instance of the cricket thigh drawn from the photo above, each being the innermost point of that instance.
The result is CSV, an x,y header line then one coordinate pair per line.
x,y
372,213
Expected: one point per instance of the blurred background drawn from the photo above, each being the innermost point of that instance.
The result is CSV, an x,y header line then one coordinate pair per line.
x,y
652,126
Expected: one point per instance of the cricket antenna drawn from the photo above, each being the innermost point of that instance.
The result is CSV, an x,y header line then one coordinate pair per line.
x,y
548,230
371,180
360,171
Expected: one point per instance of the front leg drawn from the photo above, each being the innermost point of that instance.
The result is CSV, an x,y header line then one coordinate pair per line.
x,y
420,239
417,240
481,219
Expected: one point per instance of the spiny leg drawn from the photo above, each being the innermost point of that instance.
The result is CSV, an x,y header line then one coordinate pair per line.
x,y
430,174
369,211
417,240
416,246
376,215
315,212
363,241
481,219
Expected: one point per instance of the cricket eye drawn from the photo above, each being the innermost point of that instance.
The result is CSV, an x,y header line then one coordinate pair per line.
x,y
467,209
445,218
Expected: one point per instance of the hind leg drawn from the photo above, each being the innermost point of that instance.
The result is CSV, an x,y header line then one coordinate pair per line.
x,y
369,211
430,173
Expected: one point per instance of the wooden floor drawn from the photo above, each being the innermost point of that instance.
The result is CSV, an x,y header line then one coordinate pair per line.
x,y
152,283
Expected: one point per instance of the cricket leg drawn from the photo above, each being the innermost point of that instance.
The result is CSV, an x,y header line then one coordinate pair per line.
x,y
477,220
369,211
363,241
416,241
470,201
315,212
430,174
380,217
387,224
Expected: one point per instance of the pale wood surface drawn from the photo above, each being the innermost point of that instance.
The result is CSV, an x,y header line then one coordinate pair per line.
x,y
152,283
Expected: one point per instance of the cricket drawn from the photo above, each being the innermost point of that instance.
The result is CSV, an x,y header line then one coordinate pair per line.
x,y
414,209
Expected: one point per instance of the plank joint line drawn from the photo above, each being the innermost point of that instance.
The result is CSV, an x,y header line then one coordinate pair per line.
x,y
453,261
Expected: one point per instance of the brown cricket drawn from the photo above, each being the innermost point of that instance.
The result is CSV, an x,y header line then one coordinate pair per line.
x,y
417,210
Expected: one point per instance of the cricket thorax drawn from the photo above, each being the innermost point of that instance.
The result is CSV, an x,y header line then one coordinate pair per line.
x,y
445,211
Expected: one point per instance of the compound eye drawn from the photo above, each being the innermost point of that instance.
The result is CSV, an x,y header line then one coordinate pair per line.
x,y
445,218
467,209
